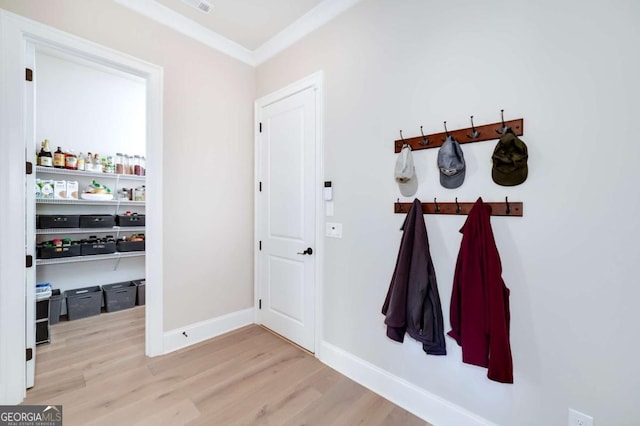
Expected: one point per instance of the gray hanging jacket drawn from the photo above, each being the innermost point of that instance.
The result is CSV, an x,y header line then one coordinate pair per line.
x,y
412,304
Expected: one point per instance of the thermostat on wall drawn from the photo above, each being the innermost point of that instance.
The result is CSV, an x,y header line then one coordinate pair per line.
x,y
328,192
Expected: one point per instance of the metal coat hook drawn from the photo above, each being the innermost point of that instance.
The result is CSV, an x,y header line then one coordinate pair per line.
x,y
425,141
508,209
504,126
404,143
398,206
458,208
474,134
445,129
437,206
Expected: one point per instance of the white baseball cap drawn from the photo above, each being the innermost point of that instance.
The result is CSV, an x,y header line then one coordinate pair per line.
x,y
405,172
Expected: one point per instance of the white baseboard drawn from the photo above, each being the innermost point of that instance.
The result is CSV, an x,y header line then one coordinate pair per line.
x,y
204,330
412,398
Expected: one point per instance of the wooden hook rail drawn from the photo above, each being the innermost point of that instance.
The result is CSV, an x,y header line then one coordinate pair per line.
x,y
506,208
485,132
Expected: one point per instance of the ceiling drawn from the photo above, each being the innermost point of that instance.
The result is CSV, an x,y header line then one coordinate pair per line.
x,y
249,23
251,31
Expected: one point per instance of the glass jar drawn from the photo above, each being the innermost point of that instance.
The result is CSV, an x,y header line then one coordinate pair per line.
x,y
119,163
136,165
143,169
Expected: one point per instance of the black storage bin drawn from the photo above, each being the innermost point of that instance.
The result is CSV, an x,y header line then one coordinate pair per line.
x,y
97,247
130,220
83,302
55,252
119,296
130,246
97,221
42,335
42,309
46,221
140,296
55,306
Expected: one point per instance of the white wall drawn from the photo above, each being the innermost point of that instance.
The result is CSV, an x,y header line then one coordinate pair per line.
x,y
571,70
88,108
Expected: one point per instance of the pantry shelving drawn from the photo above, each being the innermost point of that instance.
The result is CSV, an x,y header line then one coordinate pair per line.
x,y
91,258
115,229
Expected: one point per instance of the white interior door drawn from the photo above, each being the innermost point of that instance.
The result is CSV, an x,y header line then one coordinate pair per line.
x,y
287,216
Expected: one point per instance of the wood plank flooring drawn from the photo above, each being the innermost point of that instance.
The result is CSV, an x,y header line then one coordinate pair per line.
x,y
96,368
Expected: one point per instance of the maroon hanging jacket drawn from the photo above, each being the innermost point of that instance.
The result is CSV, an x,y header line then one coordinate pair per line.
x,y
479,310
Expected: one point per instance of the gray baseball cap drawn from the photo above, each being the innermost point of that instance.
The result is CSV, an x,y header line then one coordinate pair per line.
x,y
405,173
451,164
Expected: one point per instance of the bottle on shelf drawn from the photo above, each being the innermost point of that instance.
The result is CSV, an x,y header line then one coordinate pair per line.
x,y
70,160
97,164
81,163
44,157
58,159
88,162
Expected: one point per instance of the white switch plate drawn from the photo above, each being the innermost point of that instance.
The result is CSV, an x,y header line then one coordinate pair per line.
x,y
328,208
576,418
333,230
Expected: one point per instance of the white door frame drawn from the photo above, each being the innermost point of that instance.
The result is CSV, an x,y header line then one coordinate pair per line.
x,y
15,33
314,81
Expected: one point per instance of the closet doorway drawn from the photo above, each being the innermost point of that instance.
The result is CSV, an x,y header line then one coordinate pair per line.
x,y
21,41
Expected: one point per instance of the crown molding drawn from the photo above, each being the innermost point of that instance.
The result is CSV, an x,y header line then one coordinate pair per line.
x,y
306,24
162,14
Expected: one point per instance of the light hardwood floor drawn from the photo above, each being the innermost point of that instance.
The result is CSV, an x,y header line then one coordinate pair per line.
x,y
96,368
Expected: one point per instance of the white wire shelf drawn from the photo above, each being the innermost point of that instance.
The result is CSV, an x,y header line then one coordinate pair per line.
x,y
89,258
55,171
116,229
90,203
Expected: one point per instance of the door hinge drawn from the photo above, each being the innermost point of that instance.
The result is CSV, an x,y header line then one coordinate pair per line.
x,y
259,245
259,303
29,354
29,167
29,261
260,186
28,74
260,128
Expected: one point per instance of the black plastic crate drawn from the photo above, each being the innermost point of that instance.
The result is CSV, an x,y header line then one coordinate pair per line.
x,y
83,302
42,333
55,306
44,221
140,296
97,221
125,246
55,252
42,309
119,296
130,220
89,248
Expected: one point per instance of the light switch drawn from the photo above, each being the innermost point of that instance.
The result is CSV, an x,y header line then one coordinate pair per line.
x,y
333,230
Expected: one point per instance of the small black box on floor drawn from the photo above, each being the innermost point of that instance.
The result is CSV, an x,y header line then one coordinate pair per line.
x,y
55,306
53,252
141,296
130,220
97,247
97,221
83,302
130,246
45,221
119,296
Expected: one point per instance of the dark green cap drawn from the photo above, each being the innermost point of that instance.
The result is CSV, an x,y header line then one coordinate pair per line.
x,y
509,160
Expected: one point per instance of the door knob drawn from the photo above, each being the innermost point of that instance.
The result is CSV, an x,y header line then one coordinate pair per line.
x,y
307,251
